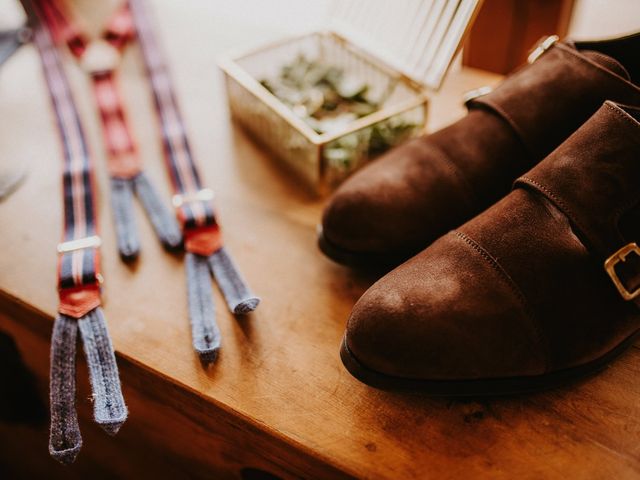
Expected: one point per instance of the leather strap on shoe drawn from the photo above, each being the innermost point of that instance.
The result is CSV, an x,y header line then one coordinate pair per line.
x,y
562,86
194,205
596,185
78,276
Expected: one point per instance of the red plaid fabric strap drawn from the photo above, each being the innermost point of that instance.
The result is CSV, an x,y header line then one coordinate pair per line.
x,y
99,58
193,203
124,161
78,254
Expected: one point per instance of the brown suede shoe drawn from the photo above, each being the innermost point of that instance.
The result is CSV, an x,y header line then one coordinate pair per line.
x,y
518,299
402,202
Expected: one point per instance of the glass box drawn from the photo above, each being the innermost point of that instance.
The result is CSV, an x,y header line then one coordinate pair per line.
x,y
323,160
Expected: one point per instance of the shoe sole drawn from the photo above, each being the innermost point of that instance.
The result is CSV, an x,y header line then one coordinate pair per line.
x,y
358,260
481,387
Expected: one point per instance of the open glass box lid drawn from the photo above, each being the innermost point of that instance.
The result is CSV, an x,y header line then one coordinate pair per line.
x,y
327,102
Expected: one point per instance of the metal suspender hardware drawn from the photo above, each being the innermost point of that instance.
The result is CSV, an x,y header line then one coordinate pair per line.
x,y
203,195
93,241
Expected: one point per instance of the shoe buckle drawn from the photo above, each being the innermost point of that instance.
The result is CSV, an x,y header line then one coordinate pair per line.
x,y
610,267
476,93
543,45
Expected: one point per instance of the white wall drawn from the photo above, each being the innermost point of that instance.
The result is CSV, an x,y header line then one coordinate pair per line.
x,y
604,18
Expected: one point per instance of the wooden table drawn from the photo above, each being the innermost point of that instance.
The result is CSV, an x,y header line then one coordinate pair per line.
x,y
278,400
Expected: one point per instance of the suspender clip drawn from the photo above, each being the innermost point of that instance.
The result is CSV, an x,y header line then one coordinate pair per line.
x,y
93,241
204,195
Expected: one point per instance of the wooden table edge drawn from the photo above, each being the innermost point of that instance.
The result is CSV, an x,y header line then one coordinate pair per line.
x,y
39,323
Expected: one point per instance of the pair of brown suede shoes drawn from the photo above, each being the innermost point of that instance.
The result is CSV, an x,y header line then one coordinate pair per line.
x,y
538,289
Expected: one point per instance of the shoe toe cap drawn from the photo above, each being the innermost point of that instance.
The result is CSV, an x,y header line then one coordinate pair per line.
x,y
446,314
397,205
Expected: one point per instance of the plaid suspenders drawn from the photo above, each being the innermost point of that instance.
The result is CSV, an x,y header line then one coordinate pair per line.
x,y
79,260
100,59
78,278
205,255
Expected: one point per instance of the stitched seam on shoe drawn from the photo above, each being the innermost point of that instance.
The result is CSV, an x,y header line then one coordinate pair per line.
x,y
624,116
577,55
557,200
542,339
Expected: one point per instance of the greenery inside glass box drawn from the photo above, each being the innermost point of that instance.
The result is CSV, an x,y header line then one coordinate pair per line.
x,y
328,100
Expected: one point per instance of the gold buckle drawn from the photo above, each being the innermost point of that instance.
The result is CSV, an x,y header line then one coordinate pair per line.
x,y
610,267
79,243
203,195
542,47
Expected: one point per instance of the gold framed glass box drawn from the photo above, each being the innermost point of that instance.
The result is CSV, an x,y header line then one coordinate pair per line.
x,y
323,152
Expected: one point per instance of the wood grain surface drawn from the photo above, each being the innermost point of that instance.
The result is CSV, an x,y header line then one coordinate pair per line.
x,y
278,400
